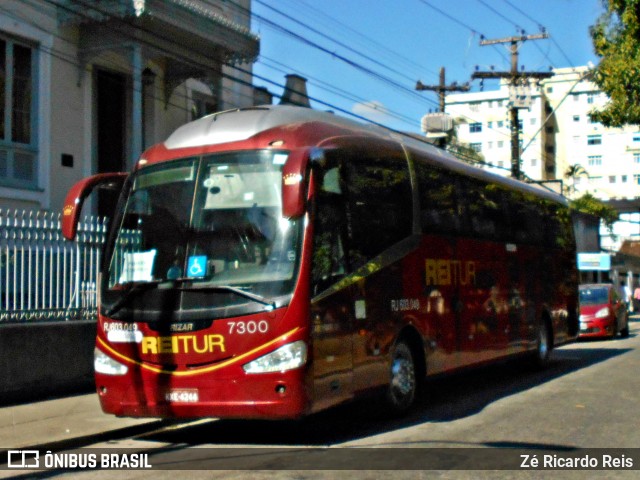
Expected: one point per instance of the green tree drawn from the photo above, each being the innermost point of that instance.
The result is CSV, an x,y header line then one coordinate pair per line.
x,y
590,204
616,40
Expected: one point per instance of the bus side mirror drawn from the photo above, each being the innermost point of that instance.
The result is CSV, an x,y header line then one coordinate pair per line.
x,y
294,175
77,194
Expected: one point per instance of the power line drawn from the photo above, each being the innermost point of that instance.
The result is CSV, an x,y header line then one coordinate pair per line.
x,y
368,71
541,28
393,57
461,23
284,69
327,37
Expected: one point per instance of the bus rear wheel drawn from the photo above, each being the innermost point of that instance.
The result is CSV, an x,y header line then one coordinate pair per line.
x,y
401,391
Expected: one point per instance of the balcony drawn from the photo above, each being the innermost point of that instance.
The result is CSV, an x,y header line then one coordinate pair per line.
x,y
176,29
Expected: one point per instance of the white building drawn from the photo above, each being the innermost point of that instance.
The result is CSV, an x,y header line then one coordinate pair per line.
x,y
87,86
557,134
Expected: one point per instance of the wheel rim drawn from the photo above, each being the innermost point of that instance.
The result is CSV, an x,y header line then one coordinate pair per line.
x,y
403,379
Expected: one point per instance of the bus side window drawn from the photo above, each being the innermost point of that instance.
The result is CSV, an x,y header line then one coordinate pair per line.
x,y
379,203
439,206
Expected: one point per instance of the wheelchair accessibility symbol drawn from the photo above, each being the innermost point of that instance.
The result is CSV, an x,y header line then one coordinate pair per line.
x,y
197,266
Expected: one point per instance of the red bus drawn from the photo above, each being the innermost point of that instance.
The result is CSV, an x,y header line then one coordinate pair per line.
x,y
274,261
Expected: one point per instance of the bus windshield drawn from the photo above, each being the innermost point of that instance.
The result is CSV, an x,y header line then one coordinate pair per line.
x,y
210,223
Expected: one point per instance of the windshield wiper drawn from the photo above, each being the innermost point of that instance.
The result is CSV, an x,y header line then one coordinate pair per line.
x,y
135,288
227,288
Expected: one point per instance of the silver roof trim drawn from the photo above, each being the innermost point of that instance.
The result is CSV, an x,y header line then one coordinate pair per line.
x,y
237,125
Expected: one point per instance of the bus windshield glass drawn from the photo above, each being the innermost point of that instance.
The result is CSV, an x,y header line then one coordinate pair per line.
x,y
210,223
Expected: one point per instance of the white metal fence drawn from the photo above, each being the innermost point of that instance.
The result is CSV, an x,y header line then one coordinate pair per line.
x,y
43,276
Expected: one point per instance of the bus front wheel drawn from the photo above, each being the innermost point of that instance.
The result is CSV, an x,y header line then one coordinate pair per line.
x,y
401,391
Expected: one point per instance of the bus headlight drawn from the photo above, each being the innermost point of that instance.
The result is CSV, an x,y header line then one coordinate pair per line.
x,y
103,363
287,357
603,312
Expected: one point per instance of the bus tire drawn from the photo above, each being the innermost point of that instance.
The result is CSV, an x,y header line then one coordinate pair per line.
x,y
401,391
544,345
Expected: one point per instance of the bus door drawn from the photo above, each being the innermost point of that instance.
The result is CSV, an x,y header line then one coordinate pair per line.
x,y
363,231
332,308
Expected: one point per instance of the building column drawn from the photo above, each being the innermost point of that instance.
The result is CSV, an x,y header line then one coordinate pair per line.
x,y
136,107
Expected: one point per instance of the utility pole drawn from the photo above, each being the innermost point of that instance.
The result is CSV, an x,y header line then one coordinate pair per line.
x,y
442,88
515,78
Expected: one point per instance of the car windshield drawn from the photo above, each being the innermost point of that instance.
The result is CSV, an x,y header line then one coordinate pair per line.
x,y
206,222
594,296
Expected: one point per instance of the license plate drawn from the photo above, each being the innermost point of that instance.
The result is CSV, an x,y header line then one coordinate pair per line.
x,y
184,395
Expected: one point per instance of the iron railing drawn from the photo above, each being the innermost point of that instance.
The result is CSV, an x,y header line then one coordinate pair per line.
x,y
43,276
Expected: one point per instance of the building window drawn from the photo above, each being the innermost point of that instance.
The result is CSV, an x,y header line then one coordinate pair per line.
x,y
576,98
532,121
489,145
636,137
534,162
489,124
474,106
594,140
475,127
623,178
576,118
636,179
18,154
612,179
636,158
476,146
202,105
500,123
549,89
594,160
500,143
590,98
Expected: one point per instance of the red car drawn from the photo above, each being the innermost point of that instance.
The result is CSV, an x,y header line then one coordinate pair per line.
x,y
603,313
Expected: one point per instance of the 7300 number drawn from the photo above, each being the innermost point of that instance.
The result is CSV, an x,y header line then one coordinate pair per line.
x,y
250,327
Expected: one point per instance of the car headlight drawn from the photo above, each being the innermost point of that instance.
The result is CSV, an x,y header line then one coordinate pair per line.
x,y
603,312
287,357
102,363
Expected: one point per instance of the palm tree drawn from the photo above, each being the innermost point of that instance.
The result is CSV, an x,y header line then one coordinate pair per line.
x,y
573,173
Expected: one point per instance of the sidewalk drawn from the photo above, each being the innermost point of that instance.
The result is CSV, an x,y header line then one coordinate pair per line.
x,y
75,420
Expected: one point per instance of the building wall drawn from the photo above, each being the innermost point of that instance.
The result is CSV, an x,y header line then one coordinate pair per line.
x,y
64,92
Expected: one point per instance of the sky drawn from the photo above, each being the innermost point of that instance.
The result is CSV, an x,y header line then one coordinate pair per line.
x,y
365,56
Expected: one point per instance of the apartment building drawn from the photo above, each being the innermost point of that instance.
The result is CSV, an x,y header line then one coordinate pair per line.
x,y
559,143
87,86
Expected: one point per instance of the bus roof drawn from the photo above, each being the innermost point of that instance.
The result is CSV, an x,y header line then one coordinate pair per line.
x,y
237,125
